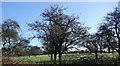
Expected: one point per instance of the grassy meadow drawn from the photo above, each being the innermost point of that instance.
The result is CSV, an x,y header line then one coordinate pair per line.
x,y
103,58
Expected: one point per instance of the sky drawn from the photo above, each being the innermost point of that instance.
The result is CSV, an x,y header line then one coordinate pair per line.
x,y
90,13
0,12
60,0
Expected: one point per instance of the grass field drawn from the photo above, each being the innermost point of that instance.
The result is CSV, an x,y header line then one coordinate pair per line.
x,y
73,58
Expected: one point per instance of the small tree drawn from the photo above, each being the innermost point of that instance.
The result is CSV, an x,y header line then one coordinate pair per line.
x,y
112,29
108,37
91,44
94,43
21,46
9,35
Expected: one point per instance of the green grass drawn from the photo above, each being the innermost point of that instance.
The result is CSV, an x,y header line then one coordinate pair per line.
x,y
73,58
34,59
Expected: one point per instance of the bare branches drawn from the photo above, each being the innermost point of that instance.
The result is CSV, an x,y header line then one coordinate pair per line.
x,y
58,29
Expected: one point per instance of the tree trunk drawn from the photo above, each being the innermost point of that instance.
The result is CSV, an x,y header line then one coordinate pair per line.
x,y
119,46
55,56
119,51
96,55
108,49
100,50
51,57
60,59
119,57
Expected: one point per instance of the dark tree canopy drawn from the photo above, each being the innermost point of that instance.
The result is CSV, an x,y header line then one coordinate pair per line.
x,y
10,34
9,31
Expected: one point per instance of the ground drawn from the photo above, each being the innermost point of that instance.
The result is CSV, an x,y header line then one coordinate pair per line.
x,y
110,58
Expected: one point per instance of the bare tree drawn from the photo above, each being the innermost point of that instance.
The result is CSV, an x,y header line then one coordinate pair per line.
x,y
111,29
10,34
59,30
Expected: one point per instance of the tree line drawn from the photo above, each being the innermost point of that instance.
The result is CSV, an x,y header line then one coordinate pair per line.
x,y
60,32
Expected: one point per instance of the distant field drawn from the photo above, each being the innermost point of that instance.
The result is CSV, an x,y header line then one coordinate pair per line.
x,y
70,58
